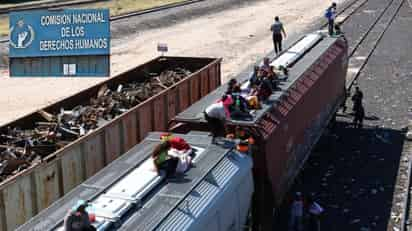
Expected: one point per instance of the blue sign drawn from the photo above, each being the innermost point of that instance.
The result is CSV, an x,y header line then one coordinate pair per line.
x,y
59,33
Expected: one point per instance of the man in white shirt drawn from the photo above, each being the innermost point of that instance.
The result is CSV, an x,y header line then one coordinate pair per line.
x,y
277,30
216,115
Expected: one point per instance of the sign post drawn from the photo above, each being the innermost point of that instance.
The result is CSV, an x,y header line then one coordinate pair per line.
x,y
162,48
77,41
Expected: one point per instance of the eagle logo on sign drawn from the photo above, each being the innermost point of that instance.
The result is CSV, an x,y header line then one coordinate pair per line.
x,y
21,35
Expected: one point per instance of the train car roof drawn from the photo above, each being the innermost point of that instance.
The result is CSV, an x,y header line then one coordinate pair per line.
x,y
162,200
299,57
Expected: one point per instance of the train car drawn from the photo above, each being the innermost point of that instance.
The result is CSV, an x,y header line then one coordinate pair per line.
x,y
290,121
214,194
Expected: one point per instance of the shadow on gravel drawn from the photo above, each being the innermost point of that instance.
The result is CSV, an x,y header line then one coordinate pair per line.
x,y
353,175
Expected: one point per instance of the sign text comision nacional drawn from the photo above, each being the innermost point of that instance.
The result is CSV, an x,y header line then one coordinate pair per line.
x,y
59,33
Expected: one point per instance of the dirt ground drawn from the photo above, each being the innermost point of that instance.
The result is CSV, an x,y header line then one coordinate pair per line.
x,y
240,36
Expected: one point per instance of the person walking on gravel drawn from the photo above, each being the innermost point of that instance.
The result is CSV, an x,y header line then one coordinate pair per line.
x,y
296,213
357,99
277,30
358,117
314,212
330,16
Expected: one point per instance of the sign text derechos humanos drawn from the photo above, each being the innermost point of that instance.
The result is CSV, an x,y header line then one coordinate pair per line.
x,y
73,31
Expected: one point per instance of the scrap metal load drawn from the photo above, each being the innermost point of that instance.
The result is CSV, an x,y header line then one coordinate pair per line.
x,y
290,119
19,148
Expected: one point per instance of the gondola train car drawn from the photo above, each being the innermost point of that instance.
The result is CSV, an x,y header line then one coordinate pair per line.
x,y
227,187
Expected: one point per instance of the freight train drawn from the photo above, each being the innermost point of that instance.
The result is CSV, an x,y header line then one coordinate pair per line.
x,y
228,186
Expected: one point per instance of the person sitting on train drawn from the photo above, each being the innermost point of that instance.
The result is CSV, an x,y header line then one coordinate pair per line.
x,y
266,65
180,149
184,157
256,77
176,142
161,159
272,78
232,82
239,109
263,90
78,218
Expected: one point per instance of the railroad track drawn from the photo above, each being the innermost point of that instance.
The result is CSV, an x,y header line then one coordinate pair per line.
x,y
141,12
46,5
377,33
345,14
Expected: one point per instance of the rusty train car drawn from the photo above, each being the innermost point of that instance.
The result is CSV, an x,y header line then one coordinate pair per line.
x,y
290,122
224,186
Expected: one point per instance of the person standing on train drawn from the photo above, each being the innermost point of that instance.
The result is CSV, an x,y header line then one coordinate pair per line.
x,y
296,213
216,115
277,30
330,15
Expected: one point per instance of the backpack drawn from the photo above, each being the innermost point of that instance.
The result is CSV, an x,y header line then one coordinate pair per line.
x,y
328,13
76,222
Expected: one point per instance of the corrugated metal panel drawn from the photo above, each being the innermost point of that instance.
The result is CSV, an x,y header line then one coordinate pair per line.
x,y
172,103
195,87
160,112
184,97
73,172
47,184
3,224
95,65
321,87
212,77
94,153
19,202
202,196
113,141
204,83
130,130
145,112
56,65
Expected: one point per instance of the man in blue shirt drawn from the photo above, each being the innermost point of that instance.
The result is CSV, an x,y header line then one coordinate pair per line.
x,y
330,16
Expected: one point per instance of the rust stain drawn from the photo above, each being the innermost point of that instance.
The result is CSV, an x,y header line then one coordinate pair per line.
x,y
72,176
46,193
21,216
